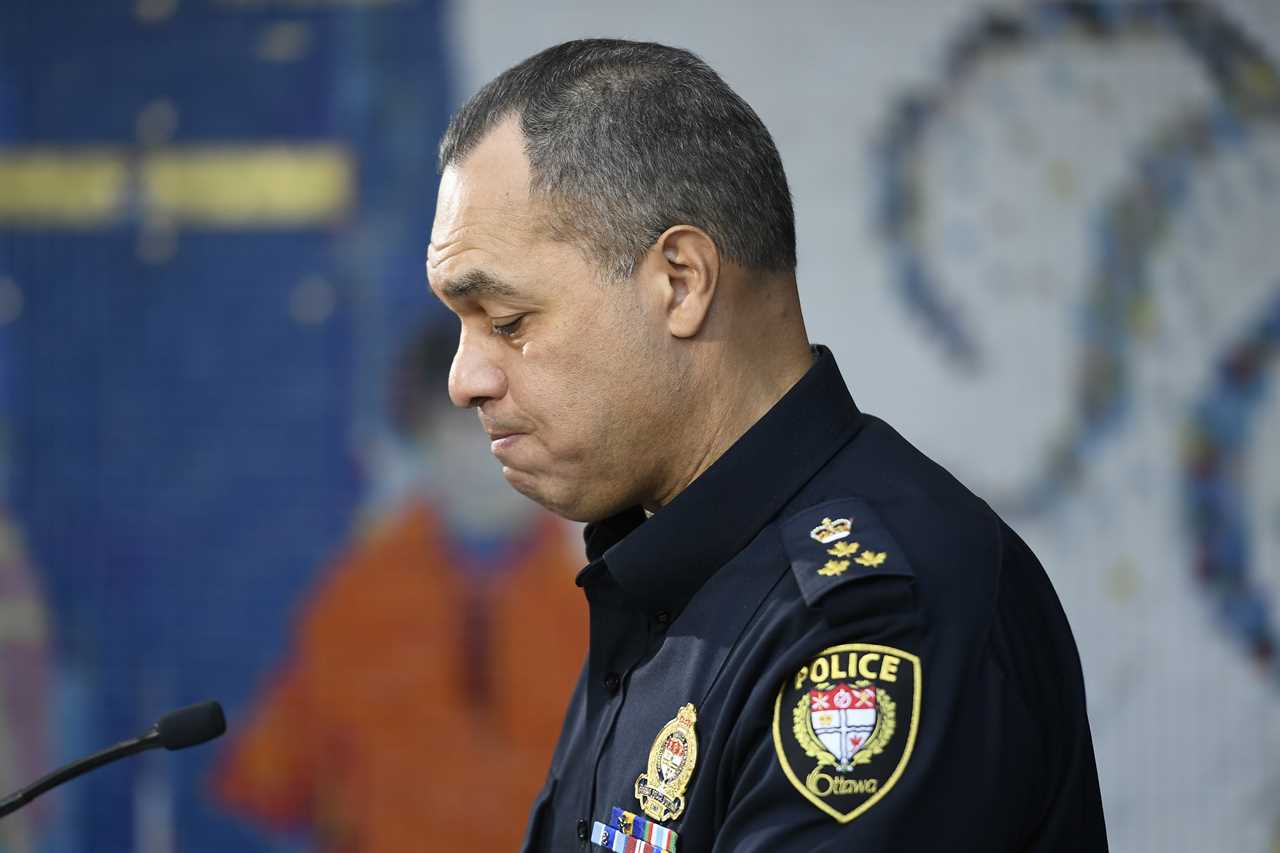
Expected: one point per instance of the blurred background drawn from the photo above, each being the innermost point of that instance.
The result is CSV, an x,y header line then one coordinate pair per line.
x,y
1041,239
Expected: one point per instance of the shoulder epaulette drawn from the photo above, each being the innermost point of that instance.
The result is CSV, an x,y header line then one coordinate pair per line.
x,y
838,542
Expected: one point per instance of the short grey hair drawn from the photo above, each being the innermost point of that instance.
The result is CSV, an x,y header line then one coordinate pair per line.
x,y
626,139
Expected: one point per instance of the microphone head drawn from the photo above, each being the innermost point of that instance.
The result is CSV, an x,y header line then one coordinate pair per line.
x,y
191,725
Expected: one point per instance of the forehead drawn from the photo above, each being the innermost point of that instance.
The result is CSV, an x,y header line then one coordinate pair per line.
x,y
483,207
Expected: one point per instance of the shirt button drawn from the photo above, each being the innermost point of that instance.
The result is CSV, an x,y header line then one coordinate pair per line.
x,y
612,681
662,617
582,829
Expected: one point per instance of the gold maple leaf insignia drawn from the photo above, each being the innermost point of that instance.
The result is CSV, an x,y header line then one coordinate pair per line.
x,y
833,568
871,559
843,549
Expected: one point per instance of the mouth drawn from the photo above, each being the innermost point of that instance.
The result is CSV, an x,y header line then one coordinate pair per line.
x,y
501,437
500,440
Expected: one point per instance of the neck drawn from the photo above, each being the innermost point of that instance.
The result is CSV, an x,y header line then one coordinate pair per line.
x,y
735,394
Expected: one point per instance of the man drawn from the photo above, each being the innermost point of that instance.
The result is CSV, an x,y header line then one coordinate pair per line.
x,y
409,689
804,635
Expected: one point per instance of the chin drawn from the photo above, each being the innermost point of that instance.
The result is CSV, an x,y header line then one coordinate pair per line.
x,y
529,486
563,500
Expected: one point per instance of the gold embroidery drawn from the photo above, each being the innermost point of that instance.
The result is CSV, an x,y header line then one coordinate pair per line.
x,y
833,568
843,549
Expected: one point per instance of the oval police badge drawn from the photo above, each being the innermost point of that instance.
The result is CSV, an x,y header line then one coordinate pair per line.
x,y
660,790
845,724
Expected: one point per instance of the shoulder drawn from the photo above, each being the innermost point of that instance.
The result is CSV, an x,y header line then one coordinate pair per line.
x,y
881,513
838,542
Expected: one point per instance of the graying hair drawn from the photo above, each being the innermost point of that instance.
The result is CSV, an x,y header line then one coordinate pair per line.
x,y
626,139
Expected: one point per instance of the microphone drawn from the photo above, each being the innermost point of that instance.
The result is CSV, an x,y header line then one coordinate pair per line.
x,y
179,729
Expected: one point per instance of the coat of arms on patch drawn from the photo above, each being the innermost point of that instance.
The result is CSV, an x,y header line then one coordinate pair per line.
x,y
845,724
660,789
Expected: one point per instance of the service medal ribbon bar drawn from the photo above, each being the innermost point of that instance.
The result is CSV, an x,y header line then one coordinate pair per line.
x,y
616,840
646,830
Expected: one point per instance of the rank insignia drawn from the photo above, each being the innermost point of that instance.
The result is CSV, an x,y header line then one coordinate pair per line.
x,y
849,543
832,568
672,758
829,531
845,724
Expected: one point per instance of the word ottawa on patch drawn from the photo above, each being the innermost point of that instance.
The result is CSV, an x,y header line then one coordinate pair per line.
x,y
845,724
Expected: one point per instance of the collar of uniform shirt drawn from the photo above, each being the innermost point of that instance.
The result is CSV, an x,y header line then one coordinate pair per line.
x,y
662,561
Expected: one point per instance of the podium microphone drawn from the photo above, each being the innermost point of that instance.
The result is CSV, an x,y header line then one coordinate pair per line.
x,y
176,730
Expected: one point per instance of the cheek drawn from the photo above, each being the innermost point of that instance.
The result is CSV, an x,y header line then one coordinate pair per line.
x,y
556,367
572,390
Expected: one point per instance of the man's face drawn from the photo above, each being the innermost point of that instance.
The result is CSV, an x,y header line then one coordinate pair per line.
x,y
571,375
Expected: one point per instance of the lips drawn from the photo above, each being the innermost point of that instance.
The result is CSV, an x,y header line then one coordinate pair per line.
x,y
498,446
500,437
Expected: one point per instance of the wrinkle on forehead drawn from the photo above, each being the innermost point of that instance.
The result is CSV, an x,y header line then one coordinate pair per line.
x,y
474,237
484,230
473,215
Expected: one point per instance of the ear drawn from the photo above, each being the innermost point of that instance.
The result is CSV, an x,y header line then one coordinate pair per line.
x,y
687,266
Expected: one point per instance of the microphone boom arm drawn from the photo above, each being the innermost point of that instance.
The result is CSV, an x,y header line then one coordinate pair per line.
x,y
124,748
177,730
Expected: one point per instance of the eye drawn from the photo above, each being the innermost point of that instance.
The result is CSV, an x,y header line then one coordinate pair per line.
x,y
509,328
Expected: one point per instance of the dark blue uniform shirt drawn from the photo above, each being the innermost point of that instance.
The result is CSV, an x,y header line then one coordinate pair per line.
x,y
824,643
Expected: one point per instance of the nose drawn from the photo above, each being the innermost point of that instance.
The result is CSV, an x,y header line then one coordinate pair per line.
x,y
474,377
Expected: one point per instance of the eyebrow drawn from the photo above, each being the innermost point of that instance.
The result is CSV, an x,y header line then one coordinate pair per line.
x,y
477,284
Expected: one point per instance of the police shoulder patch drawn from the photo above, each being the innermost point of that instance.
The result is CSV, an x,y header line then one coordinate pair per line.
x,y
845,724
839,541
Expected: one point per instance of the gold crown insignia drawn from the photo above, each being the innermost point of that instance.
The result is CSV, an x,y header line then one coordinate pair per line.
x,y
829,531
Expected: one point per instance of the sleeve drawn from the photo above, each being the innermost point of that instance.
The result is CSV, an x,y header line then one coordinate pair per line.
x,y
879,731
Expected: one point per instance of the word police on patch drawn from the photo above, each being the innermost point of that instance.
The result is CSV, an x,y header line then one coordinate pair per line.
x,y
845,724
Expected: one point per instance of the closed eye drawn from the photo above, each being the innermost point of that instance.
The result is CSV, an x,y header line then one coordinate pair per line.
x,y
509,328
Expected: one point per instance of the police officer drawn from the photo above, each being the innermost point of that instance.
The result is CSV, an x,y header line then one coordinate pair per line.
x,y
804,635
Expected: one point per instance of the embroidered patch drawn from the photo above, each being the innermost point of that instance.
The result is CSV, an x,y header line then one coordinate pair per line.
x,y
672,757
845,724
840,541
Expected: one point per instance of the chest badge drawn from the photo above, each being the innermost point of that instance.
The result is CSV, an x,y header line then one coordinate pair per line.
x,y
660,789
